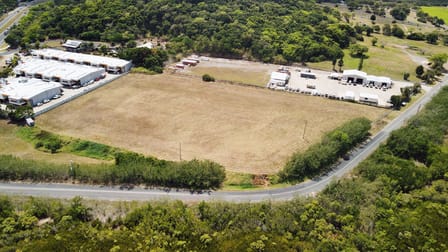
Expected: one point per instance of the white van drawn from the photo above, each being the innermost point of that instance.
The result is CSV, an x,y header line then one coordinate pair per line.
x,y
29,121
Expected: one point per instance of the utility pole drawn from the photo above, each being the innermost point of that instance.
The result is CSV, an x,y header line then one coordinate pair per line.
x,y
304,129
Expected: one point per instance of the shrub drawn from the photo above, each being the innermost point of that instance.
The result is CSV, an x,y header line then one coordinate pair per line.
x,y
208,78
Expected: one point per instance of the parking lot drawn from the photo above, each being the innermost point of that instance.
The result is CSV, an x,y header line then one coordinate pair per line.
x,y
330,88
72,93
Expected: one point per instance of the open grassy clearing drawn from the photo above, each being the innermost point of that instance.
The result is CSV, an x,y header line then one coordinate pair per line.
x,y
10,143
248,130
437,11
246,72
390,57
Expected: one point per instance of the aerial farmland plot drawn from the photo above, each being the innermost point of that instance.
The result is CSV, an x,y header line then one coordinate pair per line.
x,y
170,116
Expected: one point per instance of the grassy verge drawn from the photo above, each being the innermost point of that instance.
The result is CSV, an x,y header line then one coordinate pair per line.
x,y
49,142
142,70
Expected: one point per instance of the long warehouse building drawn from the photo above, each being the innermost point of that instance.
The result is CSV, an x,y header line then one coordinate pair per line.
x,y
112,65
67,74
22,91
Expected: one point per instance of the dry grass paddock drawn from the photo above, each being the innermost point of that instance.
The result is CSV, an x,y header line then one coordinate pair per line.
x,y
250,130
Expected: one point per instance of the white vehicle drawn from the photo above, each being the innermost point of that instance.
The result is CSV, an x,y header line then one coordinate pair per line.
x,y
46,101
56,96
29,122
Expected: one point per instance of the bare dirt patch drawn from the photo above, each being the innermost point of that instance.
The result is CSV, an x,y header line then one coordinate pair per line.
x,y
250,130
239,71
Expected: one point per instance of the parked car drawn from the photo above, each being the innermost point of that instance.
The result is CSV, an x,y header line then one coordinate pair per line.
x,y
46,101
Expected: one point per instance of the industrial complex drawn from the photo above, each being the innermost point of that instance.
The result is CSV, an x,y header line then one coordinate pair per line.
x,y
41,77
111,65
22,91
68,74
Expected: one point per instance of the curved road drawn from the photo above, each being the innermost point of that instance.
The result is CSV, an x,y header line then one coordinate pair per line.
x,y
308,188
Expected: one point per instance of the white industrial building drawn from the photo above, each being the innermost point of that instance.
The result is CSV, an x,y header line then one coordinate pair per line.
x,y
354,76
379,81
23,91
359,77
72,45
111,65
67,74
279,79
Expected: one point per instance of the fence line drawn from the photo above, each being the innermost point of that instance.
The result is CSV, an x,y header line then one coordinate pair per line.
x,y
71,98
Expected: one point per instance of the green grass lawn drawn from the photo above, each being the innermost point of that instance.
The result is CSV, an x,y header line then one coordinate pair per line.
x,y
437,11
384,59
388,57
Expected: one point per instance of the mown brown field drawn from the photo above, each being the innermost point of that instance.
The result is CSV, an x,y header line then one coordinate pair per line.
x,y
246,129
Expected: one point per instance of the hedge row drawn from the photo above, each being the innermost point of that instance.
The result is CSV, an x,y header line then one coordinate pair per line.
x,y
130,168
321,156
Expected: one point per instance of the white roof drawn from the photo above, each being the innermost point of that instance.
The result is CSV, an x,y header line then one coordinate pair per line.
x,y
27,88
355,72
147,45
334,75
72,43
381,79
52,68
279,76
349,94
367,95
79,57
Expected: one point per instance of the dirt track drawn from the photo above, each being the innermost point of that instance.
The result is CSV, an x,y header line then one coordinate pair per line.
x,y
246,129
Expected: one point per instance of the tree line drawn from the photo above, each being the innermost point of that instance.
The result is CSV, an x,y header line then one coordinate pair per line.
x,y
129,169
320,157
280,31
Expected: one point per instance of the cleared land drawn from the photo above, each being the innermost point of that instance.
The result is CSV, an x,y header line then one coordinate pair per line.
x,y
246,129
437,11
239,71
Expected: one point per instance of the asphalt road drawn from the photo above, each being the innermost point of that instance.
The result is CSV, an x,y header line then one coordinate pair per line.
x,y
10,16
308,188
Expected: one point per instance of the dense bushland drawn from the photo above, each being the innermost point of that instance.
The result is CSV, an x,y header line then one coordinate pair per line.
x,y
321,156
271,31
7,5
151,59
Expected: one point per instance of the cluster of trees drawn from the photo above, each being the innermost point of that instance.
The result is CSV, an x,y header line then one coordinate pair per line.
x,y
425,17
406,93
151,59
400,12
320,157
436,68
7,5
270,31
16,113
